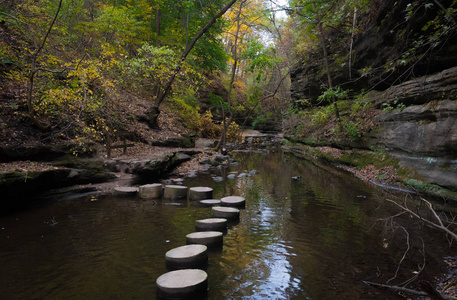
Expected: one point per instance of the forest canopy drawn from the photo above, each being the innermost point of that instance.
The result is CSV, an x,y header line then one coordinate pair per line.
x,y
75,68
76,60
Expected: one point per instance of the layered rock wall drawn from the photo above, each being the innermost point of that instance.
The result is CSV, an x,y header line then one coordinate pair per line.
x,y
428,124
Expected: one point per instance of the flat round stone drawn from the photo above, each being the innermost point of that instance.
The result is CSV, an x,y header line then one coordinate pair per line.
x,y
210,202
182,283
175,191
235,201
211,224
208,238
186,257
150,191
225,212
125,191
200,193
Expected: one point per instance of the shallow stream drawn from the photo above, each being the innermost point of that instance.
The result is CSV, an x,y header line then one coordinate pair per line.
x,y
314,237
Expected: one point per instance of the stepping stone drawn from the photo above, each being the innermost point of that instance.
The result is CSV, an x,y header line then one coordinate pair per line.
x,y
211,224
210,202
151,191
175,192
200,193
187,257
235,201
228,213
182,283
125,191
208,238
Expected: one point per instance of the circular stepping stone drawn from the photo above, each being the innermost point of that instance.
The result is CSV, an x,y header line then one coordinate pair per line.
x,y
200,193
210,202
182,283
187,257
228,213
151,191
235,201
125,191
175,192
212,224
208,238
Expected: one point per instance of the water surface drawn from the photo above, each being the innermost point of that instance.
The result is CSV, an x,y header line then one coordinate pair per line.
x,y
315,237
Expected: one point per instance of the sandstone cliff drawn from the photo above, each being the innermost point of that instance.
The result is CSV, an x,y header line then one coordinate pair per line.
x,y
416,101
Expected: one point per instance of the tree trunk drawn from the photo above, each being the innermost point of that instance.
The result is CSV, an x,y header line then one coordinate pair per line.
x,y
158,23
354,20
327,68
167,88
153,116
226,124
34,70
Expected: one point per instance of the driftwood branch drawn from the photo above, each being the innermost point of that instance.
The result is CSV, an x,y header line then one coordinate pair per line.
x,y
428,290
404,254
396,288
436,222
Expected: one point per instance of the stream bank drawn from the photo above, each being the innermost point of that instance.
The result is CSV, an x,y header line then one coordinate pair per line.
x,y
28,176
385,169
34,174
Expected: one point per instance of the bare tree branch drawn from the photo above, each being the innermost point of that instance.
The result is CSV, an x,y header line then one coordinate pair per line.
x,y
436,223
404,254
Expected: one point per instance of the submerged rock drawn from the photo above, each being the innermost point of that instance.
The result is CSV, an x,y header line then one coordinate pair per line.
x,y
218,178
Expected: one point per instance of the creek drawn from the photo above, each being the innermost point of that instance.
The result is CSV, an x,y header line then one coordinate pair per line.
x,y
314,237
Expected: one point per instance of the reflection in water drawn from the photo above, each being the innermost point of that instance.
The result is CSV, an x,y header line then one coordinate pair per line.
x,y
311,238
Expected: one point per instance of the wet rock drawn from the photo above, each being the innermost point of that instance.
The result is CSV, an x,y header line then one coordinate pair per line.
x,y
41,152
17,187
177,180
205,161
147,170
185,141
219,158
192,174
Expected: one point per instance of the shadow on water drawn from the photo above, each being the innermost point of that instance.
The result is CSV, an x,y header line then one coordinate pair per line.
x,y
313,237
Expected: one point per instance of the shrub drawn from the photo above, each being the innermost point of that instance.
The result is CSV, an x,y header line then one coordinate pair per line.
x,y
352,130
319,118
187,114
233,132
208,128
